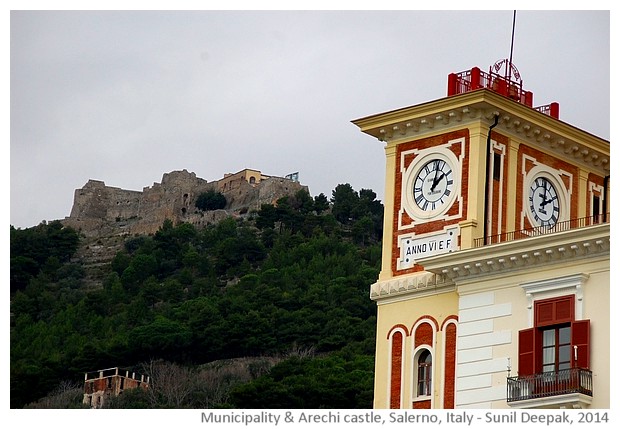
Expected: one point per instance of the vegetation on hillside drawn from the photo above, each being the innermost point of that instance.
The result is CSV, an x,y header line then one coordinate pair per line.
x,y
210,200
284,289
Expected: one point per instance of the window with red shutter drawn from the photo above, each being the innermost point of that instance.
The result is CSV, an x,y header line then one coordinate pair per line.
x,y
557,341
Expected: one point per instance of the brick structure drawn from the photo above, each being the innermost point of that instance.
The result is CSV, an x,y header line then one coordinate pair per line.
x,y
100,385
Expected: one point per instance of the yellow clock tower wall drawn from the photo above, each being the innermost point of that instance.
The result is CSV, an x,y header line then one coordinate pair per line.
x,y
492,207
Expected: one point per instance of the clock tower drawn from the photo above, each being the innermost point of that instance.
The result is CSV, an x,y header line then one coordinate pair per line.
x,y
467,177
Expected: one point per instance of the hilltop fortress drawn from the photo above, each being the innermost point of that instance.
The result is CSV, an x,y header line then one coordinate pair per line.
x,y
103,211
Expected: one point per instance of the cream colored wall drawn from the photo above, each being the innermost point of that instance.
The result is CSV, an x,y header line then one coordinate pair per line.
x,y
407,312
474,192
388,213
596,307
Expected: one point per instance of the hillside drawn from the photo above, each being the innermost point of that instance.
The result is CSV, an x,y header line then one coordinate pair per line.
x,y
287,284
106,216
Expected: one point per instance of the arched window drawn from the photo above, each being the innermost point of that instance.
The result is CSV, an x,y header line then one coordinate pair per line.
x,y
424,364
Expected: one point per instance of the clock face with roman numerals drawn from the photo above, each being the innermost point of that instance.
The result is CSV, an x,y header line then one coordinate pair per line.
x,y
433,185
543,202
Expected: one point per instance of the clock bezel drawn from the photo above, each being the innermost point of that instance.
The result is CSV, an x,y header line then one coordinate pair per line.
x,y
412,172
542,172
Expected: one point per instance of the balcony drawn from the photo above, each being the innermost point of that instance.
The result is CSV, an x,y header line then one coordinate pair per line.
x,y
569,388
542,230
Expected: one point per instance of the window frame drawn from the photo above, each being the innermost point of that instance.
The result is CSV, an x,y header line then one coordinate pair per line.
x,y
423,390
554,313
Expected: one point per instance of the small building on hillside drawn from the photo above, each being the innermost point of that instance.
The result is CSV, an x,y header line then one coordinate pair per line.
x,y
105,383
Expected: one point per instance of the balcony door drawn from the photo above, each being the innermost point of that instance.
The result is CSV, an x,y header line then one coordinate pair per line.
x,y
556,347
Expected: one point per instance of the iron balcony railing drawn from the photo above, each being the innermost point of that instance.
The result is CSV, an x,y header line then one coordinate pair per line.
x,y
546,384
542,230
471,80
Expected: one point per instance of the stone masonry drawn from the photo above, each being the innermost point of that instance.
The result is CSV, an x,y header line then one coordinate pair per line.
x,y
104,211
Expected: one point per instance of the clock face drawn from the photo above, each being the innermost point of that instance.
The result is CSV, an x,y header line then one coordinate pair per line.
x,y
433,185
544,203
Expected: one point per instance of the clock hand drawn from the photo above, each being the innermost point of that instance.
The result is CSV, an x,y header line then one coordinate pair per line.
x,y
544,201
436,180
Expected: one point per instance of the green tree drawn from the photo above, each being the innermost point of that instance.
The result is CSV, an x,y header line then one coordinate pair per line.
x,y
210,200
291,277
344,200
47,245
321,204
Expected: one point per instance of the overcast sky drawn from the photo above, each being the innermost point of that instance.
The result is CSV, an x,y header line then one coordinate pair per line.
x,y
125,97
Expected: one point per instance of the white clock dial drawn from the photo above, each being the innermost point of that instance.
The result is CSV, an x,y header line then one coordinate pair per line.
x,y
543,202
433,185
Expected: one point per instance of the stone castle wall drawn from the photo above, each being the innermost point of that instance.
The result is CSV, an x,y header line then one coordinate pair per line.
x,y
103,211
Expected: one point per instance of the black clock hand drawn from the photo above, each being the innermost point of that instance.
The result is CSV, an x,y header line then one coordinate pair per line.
x,y
436,180
544,201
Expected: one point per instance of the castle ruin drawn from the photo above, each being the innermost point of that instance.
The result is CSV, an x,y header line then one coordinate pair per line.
x,y
103,211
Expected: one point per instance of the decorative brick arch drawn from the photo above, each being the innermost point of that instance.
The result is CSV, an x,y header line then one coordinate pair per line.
x,y
453,318
423,330
398,327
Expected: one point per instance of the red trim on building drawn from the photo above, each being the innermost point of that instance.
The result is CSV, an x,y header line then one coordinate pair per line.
x,y
424,335
396,327
398,182
396,375
449,363
428,318
452,317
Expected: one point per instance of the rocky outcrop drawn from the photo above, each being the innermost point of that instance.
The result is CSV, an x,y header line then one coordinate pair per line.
x,y
104,211
106,215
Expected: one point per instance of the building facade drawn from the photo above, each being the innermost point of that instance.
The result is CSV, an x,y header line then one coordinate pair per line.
x,y
494,288
101,385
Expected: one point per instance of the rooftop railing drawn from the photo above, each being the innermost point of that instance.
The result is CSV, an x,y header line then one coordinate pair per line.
x,y
471,80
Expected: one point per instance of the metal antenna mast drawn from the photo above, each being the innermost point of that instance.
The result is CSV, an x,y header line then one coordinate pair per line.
x,y
512,41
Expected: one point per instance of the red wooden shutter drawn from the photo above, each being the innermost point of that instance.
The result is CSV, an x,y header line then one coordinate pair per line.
x,y
526,352
544,312
580,337
565,309
555,310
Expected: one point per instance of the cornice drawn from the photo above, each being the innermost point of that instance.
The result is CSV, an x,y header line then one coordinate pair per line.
x,y
525,254
401,288
516,119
